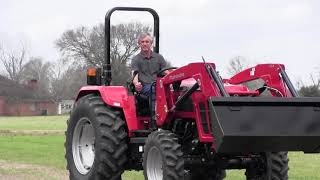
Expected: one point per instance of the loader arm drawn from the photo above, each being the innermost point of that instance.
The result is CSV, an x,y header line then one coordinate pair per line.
x,y
165,97
273,75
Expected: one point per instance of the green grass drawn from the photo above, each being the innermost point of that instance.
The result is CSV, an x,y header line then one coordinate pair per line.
x,y
132,175
301,167
43,150
33,123
49,150
304,166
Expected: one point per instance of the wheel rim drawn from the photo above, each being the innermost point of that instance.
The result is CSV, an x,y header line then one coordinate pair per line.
x,y
83,145
154,164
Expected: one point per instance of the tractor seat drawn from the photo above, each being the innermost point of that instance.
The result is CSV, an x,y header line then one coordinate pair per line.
x,y
142,104
141,101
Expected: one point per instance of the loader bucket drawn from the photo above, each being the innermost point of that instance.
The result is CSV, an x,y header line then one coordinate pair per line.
x,y
265,124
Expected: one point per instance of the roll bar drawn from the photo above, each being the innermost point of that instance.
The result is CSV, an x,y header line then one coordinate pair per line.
x,y
107,65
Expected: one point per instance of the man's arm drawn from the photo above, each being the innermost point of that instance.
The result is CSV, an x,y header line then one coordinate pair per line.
x,y
136,83
135,78
135,75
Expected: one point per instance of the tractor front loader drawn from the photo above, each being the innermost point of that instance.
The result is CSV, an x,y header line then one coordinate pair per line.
x,y
203,124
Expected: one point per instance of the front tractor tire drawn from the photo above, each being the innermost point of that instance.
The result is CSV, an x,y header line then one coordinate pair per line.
x,y
96,141
162,157
275,167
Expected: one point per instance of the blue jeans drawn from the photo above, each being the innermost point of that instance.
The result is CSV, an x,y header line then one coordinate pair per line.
x,y
146,90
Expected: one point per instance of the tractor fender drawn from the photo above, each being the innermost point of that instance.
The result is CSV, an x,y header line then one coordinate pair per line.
x,y
111,95
115,96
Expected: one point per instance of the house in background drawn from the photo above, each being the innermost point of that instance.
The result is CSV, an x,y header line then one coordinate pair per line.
x,y
22,100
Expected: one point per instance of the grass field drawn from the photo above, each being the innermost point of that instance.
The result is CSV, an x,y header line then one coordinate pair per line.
x,y
26,154
33,123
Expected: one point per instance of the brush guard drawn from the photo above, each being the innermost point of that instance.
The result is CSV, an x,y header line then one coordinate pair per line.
x,y
265,124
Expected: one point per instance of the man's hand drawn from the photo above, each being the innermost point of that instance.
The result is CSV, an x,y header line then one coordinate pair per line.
x,y
138,86
136,83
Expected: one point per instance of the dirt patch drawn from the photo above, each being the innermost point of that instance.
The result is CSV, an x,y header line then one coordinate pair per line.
x,y
21,171
30,132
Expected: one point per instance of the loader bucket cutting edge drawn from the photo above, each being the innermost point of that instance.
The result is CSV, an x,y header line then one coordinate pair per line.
x,y
265,124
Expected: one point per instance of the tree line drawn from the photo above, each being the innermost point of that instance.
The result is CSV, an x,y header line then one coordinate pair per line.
x,y
79,49
83,47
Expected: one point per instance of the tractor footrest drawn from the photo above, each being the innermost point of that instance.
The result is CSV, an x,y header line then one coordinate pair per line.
x,y
141,133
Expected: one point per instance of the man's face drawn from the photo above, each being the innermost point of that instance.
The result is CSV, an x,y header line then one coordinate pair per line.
x,y
145,44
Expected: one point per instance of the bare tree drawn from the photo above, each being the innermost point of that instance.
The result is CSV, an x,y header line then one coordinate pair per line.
x,y
59,84
37,69
67,83
86,47
312,90
13,63
237,64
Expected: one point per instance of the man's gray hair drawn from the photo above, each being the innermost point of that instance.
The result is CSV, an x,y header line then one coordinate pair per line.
x,y
143,35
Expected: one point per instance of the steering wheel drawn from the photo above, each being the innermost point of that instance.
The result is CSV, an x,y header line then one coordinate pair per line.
x,y
160,73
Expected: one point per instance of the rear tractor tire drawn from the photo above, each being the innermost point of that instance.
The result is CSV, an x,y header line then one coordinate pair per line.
x,y
96,141
274,168
162,157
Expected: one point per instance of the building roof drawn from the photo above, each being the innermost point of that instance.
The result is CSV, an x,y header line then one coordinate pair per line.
x,y
12,89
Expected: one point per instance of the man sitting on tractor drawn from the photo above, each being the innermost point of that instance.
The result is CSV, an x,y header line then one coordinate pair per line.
x,y
145,67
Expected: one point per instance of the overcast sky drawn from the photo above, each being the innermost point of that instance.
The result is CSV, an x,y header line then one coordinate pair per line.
x,y
263,31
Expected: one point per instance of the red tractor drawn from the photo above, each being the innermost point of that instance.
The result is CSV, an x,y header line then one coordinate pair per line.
x,y
204,124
